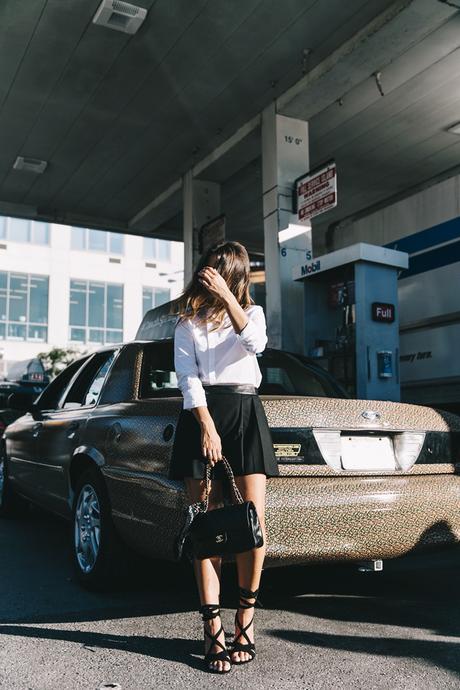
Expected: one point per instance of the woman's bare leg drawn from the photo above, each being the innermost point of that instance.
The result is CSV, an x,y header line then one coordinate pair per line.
x,y
249,563
208,570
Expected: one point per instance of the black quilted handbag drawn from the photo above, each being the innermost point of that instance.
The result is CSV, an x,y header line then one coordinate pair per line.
x,y
231,529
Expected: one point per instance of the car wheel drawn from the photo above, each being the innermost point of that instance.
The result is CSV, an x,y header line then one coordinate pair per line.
x,y
11,505
96,545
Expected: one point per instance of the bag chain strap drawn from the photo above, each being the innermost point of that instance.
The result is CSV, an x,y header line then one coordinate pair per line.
x,y
231,478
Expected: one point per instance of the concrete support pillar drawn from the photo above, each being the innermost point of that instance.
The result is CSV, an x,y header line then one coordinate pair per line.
x,y
187,228
201,203
284,158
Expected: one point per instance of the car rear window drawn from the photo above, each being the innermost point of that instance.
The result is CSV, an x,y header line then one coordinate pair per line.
x,y
282,374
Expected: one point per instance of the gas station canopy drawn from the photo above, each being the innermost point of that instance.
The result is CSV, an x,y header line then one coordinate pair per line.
x,y
119,118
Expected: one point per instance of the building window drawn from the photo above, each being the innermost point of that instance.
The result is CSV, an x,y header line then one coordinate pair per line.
x,y
18,230
78,238
153,297
157,249
85,239
22,230
96,312
40,233
23,306
116,243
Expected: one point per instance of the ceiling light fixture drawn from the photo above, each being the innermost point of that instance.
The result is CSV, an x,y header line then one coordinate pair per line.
x,y
293,230
454,129
119,15
34,165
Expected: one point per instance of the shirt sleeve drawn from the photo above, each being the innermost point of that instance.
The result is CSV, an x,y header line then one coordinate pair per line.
x,y
186,367
253,337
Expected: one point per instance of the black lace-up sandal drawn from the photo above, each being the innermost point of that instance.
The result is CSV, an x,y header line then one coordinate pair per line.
x,y
248,647
209,611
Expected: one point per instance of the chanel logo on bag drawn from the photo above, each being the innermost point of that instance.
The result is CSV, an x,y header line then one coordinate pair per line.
x,y
220,538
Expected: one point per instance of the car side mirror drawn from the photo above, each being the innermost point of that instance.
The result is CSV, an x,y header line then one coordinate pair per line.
x,y
21,401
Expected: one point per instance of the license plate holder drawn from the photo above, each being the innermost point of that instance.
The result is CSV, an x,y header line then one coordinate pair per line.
x,y
368,453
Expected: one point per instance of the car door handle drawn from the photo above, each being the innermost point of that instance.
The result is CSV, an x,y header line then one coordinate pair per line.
x,y
71,429
114,433
168,432
36,429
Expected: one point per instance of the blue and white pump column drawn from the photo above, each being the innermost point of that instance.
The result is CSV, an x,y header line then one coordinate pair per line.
x,y
374,270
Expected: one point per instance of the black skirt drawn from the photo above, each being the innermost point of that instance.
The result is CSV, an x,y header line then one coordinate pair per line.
x,y
242,425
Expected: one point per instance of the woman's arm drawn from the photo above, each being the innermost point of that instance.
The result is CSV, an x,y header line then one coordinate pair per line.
x,y
190,385
211,445
251,328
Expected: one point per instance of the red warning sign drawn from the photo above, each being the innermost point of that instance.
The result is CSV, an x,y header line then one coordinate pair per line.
x,y
316,192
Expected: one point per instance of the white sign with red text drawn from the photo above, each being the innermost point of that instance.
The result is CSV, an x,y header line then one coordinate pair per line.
x,y
316,192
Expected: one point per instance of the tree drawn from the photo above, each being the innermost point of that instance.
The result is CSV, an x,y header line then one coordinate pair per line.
x,y
56,359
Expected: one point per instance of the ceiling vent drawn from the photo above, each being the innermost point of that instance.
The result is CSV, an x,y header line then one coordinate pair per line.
x,y
34,165
121,16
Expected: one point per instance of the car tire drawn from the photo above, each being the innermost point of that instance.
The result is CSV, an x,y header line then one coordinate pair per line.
x,y
96,546
11,505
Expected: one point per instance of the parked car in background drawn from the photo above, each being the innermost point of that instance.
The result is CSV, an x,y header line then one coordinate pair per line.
x,y
27,378
359,479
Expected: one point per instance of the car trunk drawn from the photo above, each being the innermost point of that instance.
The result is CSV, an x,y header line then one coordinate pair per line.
x,y
324,436
355,488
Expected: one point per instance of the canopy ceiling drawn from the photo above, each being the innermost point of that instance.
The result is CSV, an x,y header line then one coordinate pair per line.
x,y
120,117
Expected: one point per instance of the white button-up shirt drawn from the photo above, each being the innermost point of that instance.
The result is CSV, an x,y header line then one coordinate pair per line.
x,y
202,355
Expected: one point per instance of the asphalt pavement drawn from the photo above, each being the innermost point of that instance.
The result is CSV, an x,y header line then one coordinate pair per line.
x,y
319,627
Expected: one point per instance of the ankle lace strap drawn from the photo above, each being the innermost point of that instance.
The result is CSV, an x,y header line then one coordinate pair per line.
x,y
248,594
209,611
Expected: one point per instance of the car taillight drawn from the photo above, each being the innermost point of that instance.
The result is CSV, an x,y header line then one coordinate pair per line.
x,y
35,376
407,447
328,441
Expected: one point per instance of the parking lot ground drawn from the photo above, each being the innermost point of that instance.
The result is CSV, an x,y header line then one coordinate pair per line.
x,y
319,627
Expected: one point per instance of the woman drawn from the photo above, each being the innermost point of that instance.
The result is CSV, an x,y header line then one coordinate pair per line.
x,y
217,336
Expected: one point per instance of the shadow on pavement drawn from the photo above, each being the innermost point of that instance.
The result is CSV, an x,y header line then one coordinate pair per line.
x,y
38,583
181,650
417,592
441,654
420,592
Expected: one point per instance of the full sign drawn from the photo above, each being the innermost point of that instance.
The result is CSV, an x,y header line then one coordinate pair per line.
x,y
316,192
383,311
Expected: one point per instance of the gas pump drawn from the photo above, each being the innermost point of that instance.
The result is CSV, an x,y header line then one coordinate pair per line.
x,y
351,317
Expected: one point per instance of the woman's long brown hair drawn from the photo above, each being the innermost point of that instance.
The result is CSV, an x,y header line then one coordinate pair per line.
x,y
231,260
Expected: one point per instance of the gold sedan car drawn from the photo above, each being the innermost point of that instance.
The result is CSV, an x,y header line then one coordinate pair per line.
x,y
359,479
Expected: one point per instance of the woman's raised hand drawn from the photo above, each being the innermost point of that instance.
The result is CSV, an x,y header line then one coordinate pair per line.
x,y
214,282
